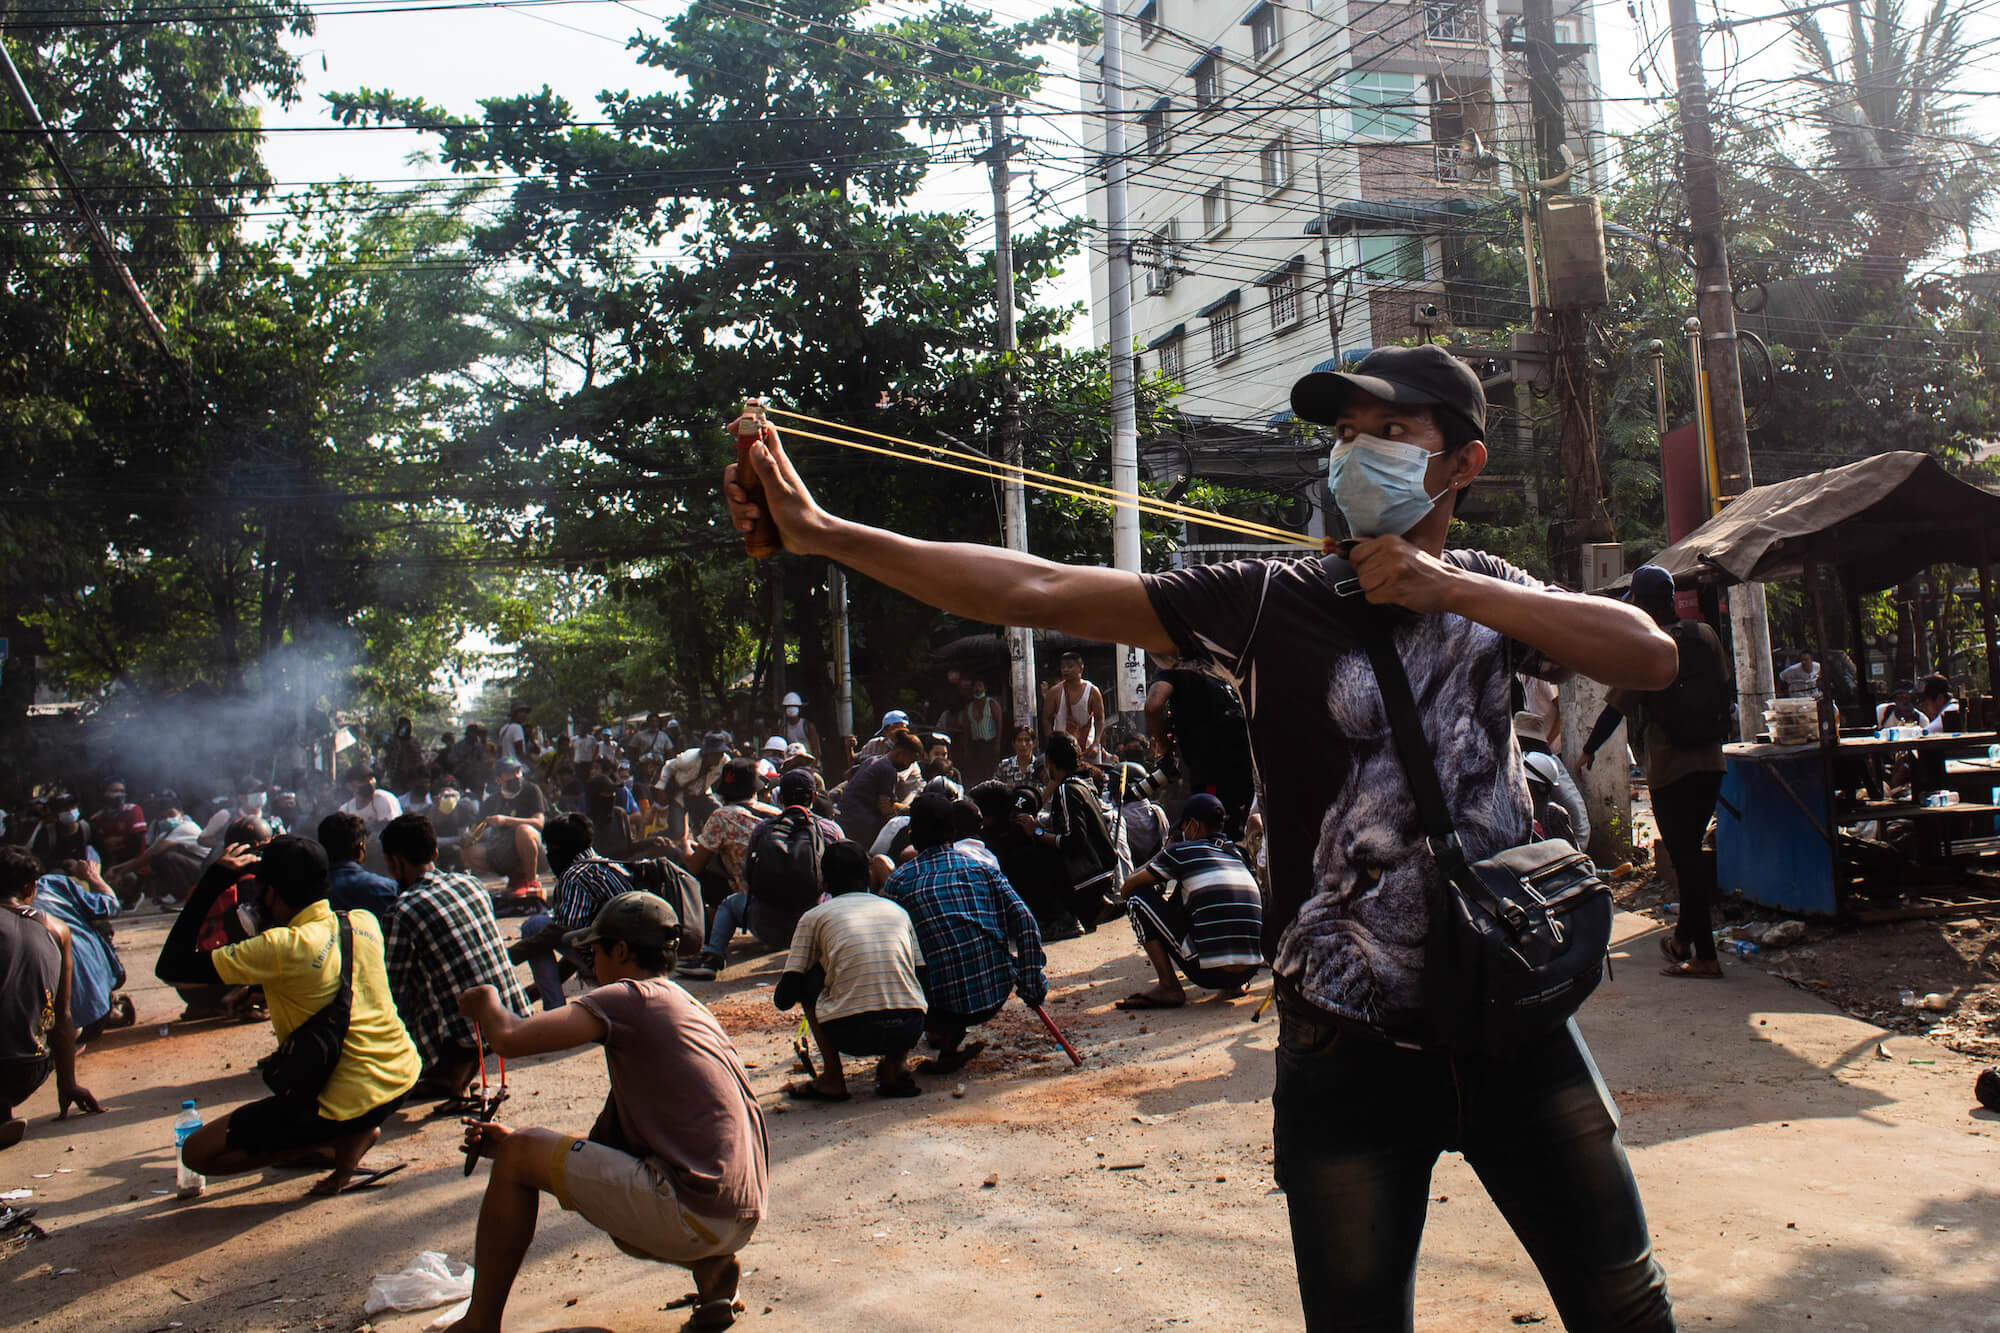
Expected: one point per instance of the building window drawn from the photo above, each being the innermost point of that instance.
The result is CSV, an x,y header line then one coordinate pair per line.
x,y
1222,333
1157,256
1263,21
1159,135
1390,257
1170,358
1285,300
1274,163
1215,208
1208,80
1379,106
1149,21
1451,20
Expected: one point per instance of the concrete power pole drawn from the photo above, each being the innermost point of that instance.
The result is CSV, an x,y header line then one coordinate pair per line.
x,y
1749,629
1584,516
1129,696
1020,638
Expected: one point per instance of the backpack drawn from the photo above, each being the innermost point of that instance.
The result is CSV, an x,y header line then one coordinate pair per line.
x,y
782,869
1694,710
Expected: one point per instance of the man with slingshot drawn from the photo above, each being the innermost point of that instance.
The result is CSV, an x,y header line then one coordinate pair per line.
x,y
674,1168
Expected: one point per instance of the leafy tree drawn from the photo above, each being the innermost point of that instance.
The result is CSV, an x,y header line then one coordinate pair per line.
x,y
752,230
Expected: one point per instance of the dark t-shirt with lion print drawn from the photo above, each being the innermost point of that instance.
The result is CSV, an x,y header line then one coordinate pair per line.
x,y
1350,877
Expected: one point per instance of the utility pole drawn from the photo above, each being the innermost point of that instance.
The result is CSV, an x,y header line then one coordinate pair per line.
x,y
843,658
1326,253
1749,628
1584,517
1130,687
1020,638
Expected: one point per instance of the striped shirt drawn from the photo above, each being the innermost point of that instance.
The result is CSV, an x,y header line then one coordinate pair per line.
x,y
869,950
1223,906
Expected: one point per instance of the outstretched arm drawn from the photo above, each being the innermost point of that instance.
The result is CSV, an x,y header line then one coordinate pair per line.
x,y
561,1029
986,583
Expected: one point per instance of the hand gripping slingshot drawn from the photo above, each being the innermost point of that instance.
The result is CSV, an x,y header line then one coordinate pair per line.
x,y
489,1105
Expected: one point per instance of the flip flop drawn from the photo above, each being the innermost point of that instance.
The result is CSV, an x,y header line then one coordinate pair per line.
x,y
1141,1000
1695,969
907,1088
810,1092
1674,949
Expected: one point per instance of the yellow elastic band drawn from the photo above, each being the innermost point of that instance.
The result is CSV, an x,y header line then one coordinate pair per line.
x,y
992,469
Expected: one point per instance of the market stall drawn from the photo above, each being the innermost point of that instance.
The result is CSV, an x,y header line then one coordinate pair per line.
x,y
1794,821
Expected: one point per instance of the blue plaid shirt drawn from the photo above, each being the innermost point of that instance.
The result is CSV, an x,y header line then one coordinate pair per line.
x,y
967,915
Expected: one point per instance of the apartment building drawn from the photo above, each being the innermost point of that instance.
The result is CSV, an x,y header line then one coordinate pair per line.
x,y
1308,180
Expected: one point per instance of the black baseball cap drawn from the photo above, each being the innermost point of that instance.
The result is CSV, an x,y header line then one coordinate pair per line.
x,y
1426,376
1207,807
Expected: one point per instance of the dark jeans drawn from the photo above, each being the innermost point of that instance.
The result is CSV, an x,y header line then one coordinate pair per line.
x,y
1682,810
1358,1124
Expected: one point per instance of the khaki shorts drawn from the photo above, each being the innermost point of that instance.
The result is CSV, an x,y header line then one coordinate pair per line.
x,y
632,1201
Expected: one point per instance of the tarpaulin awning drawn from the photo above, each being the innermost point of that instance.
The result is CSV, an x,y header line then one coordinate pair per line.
x,y
1877,521
1167,337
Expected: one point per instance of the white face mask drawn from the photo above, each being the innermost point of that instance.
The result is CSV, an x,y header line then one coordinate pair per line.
x,y
1379,485
254,801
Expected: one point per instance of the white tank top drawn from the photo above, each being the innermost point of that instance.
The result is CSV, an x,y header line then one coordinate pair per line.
x,y
1070,716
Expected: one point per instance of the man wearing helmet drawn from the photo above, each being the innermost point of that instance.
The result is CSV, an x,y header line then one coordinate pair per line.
x,y
795,728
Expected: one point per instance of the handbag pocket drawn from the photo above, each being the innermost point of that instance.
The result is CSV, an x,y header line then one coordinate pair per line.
x,y
1526,935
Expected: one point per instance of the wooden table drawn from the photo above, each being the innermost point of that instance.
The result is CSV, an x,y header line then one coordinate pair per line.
x,y
1777,822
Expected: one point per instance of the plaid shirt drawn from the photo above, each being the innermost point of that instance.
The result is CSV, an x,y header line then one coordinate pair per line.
x,y
967,914
588,884
441,940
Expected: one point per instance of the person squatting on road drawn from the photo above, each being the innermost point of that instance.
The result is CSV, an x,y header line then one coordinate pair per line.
x,y
1196,906
673,1170
442,940
856,969
1364,1102
977,939
290,943
37,974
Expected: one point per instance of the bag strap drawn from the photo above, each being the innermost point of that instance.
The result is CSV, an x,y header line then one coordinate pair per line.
x,y
346,996
1413,748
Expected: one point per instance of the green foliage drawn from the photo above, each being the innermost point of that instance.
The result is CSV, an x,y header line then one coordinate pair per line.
x,y
751,231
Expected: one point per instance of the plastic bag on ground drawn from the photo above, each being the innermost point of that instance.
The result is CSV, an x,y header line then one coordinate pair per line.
x,y
427,1281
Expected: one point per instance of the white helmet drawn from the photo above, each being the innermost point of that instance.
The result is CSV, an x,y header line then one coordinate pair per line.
x,y
776,743
792,700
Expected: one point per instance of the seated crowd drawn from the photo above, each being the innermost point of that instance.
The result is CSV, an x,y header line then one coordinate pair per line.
x,y
907,912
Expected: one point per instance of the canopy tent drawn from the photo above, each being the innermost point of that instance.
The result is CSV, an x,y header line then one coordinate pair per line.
x,y
1878,522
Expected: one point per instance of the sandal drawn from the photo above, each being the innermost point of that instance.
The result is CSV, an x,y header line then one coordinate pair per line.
x,y
907,1088
1676,950
1141,1000
1702,969
811,1092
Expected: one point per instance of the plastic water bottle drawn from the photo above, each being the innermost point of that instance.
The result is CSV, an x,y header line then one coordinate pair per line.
x,y
187,1183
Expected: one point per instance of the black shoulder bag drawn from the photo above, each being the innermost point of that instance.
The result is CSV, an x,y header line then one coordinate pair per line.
x,y
1517,941
305,1060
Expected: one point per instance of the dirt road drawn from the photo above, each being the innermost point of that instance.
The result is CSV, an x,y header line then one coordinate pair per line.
x,y
1794,1178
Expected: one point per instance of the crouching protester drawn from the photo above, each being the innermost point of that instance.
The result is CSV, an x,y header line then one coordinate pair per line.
x,y
856,969
289,941
673,1170
37,975
979,941
1196,906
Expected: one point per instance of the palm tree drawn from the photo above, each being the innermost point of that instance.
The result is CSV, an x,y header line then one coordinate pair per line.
x,y
1894,173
